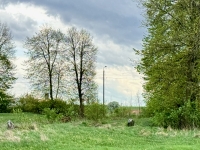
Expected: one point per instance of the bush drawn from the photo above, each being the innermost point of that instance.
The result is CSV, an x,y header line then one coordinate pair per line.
x,y
52,115
122,111
60,106
72,111
42,105
5,102
95,111
28,104
186,116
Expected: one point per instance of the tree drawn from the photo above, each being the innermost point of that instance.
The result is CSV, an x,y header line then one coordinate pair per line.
x,y
170,62
81,58
6,66
44,67
6,56
112,106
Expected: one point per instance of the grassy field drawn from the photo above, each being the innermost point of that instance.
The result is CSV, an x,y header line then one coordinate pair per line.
x,y
35,133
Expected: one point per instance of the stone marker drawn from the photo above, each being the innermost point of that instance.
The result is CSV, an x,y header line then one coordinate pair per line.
x,y
10,125
130,122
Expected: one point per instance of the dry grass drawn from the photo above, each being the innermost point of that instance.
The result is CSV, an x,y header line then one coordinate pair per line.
x,y
9,135
43,137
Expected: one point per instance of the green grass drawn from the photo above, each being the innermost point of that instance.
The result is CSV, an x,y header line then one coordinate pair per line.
x,y
33,132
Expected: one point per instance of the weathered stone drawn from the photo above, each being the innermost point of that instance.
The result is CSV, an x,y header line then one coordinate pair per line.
x,y
10,125
131,122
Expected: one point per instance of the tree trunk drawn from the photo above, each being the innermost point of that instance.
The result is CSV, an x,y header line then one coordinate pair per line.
x,y
51,87
81,108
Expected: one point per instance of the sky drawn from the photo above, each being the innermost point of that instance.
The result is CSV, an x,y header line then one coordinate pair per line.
x,y
116,28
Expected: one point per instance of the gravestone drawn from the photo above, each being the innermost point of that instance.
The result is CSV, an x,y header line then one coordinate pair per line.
x,y
131,122
10,125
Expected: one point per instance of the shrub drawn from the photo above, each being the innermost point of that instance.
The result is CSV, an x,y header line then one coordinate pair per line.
x,y
52,115
60,106
42,105
5,102
122,111
72,111
95,111
29,104
186,116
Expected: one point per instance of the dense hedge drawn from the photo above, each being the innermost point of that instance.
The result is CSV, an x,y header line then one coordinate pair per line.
x,y
30,104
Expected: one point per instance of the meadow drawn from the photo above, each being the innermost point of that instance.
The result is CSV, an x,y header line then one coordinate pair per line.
x,y
34,132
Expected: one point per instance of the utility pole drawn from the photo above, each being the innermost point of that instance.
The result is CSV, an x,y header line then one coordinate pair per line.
x,y
103,90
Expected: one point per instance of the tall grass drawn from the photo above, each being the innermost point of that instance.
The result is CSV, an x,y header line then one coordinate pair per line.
x,y
112,134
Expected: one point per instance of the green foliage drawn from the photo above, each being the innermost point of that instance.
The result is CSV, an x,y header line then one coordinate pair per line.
x,y
52,115
186,116
95,111
5,102
73,111
17,110
112,106
123,111
6,58
43,104
60,106
170,61
53,110
29,104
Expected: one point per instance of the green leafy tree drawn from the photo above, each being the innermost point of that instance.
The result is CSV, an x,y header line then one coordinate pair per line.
x,y
112,106
6,66
81,56
170,61
6,56
45,65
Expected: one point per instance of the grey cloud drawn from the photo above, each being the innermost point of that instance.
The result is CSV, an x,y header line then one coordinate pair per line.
x,y
23,30
117,19
121,20
116,58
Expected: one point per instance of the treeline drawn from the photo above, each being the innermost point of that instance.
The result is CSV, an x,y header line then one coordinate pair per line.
x,y
171,62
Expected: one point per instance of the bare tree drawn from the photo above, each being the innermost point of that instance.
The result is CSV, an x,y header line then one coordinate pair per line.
x,y
60,79
44,52
81,57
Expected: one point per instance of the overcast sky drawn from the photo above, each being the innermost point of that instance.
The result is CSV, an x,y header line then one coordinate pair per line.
x,y
116,27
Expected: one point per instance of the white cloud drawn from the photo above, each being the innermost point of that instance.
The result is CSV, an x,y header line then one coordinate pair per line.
x,y
20,9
